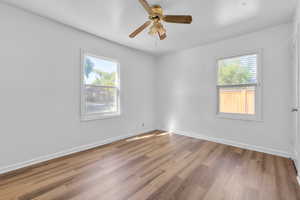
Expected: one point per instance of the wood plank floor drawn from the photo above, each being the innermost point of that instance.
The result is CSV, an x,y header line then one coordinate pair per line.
x,y
158,166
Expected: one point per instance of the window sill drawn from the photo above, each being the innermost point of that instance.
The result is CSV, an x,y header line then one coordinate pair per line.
x,y
92,117
254,118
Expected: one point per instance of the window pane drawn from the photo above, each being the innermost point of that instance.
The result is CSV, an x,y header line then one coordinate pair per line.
x,y
100,72
100,86
238,70
237,100
101,99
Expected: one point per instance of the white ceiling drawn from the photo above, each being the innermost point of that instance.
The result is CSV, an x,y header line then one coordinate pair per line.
x,y
212,19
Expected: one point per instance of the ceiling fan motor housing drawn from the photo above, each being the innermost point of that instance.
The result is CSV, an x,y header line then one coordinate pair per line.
x,y
157,12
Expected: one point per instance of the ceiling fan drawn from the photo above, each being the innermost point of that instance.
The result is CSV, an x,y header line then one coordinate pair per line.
x,y
156,16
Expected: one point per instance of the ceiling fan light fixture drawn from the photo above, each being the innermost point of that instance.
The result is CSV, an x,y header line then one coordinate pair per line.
x,y
152,30
157,27
162,30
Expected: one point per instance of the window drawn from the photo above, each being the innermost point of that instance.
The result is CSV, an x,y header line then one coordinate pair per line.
x,y
100,90
239,87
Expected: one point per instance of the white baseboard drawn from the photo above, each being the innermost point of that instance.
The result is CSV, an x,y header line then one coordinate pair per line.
x,y
297,168
68,152
296,163
235,144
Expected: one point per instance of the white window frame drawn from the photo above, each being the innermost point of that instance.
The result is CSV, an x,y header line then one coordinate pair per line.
x,y
258,91
97,116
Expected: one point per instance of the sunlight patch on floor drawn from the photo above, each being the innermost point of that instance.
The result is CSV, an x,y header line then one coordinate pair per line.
x,y
147,136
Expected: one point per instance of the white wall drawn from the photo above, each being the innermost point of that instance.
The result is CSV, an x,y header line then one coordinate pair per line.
x,y
186,84
297,16
40,88
296,86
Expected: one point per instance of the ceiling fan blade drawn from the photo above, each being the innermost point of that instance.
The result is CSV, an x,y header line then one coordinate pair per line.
x,y
182,19
140,29
146,6
163,36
